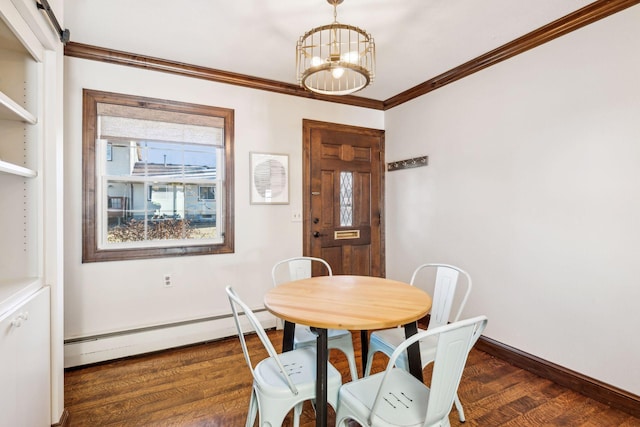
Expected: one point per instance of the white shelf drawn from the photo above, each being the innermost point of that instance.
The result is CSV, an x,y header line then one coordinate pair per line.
x,y
11,110
13,292
12,169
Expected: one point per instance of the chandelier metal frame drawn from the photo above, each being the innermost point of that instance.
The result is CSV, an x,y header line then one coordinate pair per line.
x,y
335,59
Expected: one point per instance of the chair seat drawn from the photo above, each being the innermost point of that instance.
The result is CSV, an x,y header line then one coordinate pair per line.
x,y
304,335
300,365
339,339
387,340
403,405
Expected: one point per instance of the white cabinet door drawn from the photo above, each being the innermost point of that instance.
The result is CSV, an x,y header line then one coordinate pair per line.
x,y
24,363
8,410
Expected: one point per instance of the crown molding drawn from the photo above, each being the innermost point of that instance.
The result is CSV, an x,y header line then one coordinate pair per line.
x,y
95,53
587,15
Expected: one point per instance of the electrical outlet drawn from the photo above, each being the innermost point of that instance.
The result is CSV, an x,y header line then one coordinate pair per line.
x,y
296,215
167,281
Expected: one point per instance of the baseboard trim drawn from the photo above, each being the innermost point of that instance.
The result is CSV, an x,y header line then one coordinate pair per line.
x,y
592,388
64,420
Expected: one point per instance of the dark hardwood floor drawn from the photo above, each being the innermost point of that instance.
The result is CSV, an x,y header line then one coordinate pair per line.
x,y
209,385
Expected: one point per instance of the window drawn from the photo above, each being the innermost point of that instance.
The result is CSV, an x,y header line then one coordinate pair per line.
x,y
207,192
157,176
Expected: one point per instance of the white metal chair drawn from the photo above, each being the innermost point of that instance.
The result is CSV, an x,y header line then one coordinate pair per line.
x,y
396,398
281,381
301,268
446,280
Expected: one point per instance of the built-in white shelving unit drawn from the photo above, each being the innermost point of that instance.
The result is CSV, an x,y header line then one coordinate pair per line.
x,y
26,51
21,151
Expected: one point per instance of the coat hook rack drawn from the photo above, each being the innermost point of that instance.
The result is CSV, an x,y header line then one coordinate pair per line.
x,y
416,162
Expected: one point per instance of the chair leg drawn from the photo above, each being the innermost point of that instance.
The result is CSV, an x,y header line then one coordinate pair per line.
x,y
253,410
297,411
367,369
345,345
461,417
352,367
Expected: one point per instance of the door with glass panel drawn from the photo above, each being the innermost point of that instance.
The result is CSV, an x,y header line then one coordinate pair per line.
x,y
343,197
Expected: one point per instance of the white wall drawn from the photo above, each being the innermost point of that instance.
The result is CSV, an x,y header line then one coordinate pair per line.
x,y
107,297
533,187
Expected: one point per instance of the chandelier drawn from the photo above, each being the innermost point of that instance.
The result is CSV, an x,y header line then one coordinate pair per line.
x,y
335,59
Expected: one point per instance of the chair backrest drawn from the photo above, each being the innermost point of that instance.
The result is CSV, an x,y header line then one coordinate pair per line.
x,y
238,307
455,340
296,268
444,292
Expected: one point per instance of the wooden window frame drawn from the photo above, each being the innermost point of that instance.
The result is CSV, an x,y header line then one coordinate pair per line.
x,y
90,250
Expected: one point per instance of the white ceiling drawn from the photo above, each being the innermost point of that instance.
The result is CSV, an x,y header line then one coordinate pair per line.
x,y
415,39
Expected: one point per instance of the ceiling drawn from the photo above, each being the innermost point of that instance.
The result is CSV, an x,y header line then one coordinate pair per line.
x,y
416,40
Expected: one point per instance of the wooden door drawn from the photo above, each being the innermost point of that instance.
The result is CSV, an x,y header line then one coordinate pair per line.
x,y
343,172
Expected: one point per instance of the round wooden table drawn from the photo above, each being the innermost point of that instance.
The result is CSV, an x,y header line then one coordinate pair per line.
x,y
347,302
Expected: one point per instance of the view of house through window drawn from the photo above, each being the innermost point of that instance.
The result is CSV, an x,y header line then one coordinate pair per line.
x,y
171,176
160,178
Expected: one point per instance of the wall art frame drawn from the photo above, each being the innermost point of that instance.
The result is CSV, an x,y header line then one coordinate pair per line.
x,y
269,178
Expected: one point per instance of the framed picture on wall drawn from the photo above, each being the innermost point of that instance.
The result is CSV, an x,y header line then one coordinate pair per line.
x,y
269,178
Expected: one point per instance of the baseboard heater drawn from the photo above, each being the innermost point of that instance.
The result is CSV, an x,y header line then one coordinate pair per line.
x,y
115,345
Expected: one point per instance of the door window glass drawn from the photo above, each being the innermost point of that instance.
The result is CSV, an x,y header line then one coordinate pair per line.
x,y
346,199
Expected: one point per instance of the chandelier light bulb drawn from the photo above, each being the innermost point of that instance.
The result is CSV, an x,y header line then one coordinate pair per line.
x,y
337,72
351,57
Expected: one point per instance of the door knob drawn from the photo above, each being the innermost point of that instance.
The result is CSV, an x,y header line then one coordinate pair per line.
x,y
316,220
317,234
